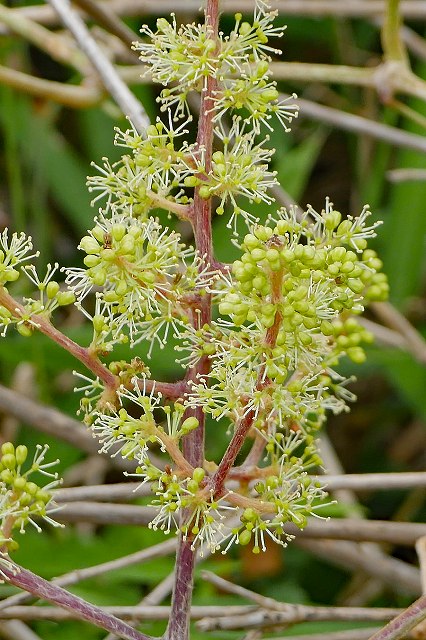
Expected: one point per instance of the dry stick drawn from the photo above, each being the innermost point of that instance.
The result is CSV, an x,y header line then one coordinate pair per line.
x,y
395,320
359,124
419,631
16,630
402,533
275,613
103,492
58,47
355,557
397,533
76,97
104,513
353,634
406,175
130,613
81,609
125,99
372,481
156,551
413,9
53,422
108,19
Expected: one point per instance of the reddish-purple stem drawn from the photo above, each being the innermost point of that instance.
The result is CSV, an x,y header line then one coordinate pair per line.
x,y
402,624
193,444
44,326
231,453
84,610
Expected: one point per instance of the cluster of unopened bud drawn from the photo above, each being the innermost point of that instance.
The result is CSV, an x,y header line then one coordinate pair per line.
x,y
22,499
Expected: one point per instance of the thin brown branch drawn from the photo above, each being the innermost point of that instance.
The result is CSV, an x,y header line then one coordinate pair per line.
x,y
395,320
125,99
57,614
360,124
396,533
156,551
54,423
356,557
58,47
372,481
105,513
274,613
103,492
74,96
410,9
107,18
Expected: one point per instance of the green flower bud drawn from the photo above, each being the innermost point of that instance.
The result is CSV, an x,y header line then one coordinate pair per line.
x,y
99,277
19,483
52,289
7,447
25,329
91,261
11,275
118,231
244,537
8,460
65,297
198,475
89,245
7,476
21,454
189,424
332,220
356,354
204,192
31,488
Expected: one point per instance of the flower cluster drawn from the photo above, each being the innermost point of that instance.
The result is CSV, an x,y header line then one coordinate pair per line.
x,y
50,295
22,499
144,277
285,310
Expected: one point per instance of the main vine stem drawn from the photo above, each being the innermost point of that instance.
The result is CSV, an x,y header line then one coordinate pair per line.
x,y
193,445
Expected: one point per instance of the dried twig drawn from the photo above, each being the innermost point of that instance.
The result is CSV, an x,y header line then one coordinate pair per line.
x,y
350,555
125,99
155,551
275,613
395,320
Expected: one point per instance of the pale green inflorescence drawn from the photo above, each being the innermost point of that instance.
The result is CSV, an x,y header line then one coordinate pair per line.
x,y
286,309
23,497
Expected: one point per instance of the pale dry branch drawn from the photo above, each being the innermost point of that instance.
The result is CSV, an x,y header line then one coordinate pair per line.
x,y
410,9
398,322
125,99
16,630
54,423
57,614
155,551
352,556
